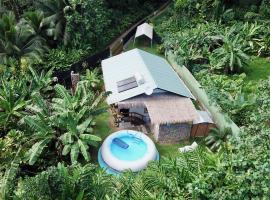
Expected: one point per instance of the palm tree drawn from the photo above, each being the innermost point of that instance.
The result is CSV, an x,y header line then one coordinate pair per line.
x,y
217,138
55,15
36,20
18,40
231,55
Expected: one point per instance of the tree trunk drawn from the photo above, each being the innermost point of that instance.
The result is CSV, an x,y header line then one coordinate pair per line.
x,y
75,78
14,5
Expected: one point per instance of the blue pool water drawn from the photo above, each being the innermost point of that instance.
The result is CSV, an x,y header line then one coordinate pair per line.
x,y
136,150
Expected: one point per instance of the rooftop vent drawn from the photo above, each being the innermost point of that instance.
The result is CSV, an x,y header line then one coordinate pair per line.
x,y
139,78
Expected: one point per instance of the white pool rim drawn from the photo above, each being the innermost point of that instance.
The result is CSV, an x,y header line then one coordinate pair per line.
x,y
122,165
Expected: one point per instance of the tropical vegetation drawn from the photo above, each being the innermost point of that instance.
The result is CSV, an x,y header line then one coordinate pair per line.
x,y
49,135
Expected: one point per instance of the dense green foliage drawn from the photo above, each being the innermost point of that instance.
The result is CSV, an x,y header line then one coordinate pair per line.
x,y
210,46
171,182
47,132
69,28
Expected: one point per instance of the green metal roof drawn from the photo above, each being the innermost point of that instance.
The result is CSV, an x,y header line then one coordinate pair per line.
x,y
155,71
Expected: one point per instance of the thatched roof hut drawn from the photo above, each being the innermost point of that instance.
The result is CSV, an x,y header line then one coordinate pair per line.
x,y
164,108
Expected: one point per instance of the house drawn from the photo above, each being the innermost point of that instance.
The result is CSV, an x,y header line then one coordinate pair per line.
x,y
144,89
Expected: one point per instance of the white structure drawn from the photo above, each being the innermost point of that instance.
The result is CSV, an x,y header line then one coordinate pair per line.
x,y
145,73
191,147
144,29
204,117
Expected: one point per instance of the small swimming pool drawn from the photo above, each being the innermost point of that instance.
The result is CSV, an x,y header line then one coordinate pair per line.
x,y
126,150
136,150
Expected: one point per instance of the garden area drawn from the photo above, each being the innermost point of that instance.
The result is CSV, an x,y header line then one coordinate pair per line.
x,y
50,135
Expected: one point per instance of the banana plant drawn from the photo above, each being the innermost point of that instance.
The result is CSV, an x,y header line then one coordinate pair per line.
x,y
68,120
231,56
75,115
93,78
40,82
42,125
12,102
217,138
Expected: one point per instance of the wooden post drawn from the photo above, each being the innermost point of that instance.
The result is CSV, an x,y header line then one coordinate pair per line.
x,y
75,78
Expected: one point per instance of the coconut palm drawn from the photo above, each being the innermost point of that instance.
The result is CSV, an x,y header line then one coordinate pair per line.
x,y
18,40
35,20
55,15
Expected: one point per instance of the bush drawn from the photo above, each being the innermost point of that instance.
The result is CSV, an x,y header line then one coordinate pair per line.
x,y
62,58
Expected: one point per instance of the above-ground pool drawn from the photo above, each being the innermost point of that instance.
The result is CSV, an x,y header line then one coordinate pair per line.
x,y
126,150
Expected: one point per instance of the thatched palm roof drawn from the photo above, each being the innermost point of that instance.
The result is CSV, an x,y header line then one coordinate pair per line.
x,y
165,108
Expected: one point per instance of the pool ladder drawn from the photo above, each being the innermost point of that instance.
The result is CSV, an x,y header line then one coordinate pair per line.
x,y
138,137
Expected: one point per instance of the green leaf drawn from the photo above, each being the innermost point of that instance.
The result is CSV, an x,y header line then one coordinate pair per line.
x,y
74,153
67,138
66,149
80,195
84,149
83,126
37,149
63,93
36,125
90,137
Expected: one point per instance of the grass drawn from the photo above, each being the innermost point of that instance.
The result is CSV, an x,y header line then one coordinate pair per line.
x,y
103,128
258,69
171,150
144,44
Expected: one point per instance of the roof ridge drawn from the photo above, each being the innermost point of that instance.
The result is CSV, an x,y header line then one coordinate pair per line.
x,y
147,69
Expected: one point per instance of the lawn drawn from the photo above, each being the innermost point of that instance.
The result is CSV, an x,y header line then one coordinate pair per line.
x,y
144,44
171,150
103,127
258,69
